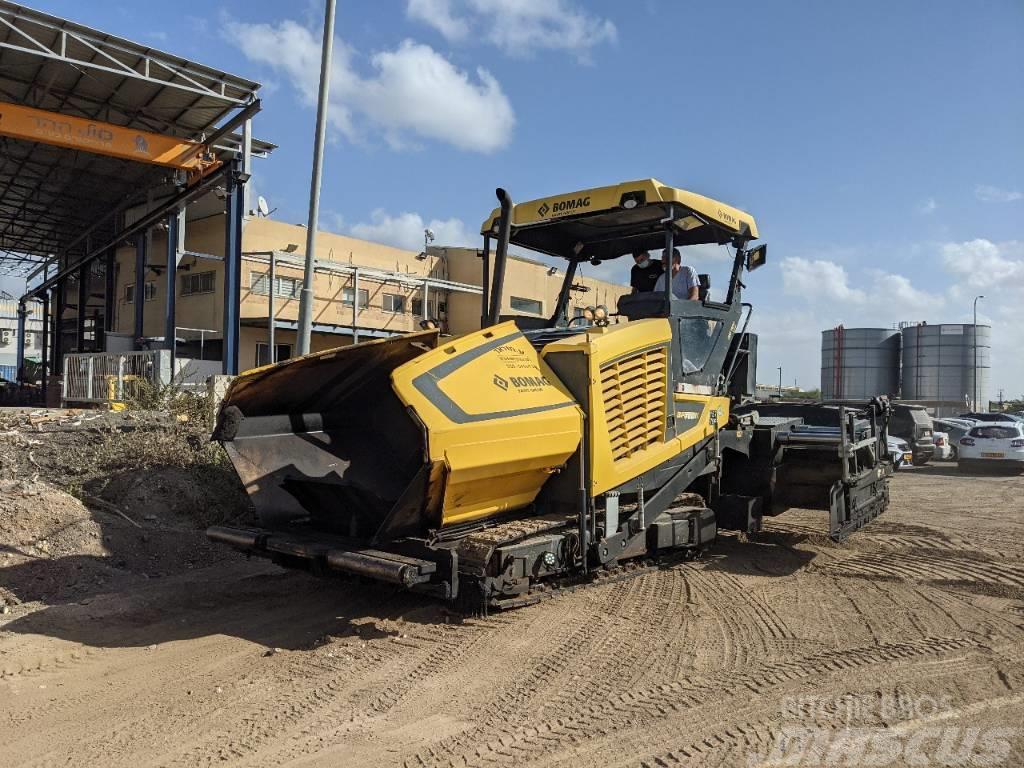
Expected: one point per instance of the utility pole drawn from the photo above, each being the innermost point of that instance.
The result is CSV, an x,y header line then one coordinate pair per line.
x,y
974,378
306,295
780,381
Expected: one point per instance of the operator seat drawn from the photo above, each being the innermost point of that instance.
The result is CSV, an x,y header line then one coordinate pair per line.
x,y
637,306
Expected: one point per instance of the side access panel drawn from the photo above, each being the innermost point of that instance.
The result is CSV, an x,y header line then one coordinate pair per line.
x,y
494,415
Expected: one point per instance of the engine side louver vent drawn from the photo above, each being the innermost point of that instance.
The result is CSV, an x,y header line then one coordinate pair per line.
x,y
634,396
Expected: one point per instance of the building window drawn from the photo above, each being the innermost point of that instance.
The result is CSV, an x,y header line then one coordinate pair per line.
x,y
417,308
129,293
348,293
394,302
200,282
284,287
284,351
530,306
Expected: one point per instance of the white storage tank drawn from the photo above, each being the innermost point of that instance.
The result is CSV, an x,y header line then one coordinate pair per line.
x,y
948,363
859,363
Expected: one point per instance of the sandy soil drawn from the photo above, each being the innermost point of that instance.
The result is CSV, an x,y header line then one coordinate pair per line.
x,y
141,647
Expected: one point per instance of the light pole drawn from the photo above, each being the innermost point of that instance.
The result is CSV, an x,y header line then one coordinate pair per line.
x,y
974,378
780,382
306,295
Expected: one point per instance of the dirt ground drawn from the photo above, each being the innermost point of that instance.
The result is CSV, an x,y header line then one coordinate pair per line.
x,y
126,640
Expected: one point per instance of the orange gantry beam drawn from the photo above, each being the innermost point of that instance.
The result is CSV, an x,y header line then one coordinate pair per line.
x,y
30,124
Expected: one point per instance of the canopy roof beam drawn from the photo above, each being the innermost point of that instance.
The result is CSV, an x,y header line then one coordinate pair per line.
x,y
56,39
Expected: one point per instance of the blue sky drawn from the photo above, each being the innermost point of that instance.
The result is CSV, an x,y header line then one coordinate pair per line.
x,y
878,144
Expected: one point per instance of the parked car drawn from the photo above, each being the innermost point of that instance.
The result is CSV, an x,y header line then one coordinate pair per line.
x,y
997,443
913,424
943,449
989,416
899,451
955,428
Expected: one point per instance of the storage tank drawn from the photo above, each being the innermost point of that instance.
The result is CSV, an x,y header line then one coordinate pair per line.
x,y
939,363
858,363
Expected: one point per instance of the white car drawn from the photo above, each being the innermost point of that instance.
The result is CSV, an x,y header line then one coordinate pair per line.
x,y
993,443
943,448
899,451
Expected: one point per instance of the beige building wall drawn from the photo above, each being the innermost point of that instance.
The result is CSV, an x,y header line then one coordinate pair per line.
x,y
526,281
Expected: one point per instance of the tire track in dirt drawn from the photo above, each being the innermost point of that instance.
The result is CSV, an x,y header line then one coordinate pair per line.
x,y
606,719
914,567
604,640
61,659
457,652
180,691
747,743
316,696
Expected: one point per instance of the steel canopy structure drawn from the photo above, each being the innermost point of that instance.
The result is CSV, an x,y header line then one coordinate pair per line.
x,y
62,201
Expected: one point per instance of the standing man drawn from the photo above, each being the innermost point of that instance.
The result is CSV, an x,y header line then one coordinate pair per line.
x,y
685,283
645,273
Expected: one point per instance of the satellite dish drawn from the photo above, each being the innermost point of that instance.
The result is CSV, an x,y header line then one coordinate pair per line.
x,y
261,206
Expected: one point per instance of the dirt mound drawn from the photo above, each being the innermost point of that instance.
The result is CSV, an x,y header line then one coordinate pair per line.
x,y
91,501
38,520
57,549
147,463
176,497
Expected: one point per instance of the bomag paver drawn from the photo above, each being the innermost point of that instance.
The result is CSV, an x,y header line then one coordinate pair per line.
x,y
502,465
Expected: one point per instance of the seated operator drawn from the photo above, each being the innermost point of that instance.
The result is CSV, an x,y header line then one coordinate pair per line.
x,y
685,283
645,272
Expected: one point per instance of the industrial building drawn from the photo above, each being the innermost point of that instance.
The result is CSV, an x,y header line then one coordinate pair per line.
x,y
124,203
363,290
944,367
9,336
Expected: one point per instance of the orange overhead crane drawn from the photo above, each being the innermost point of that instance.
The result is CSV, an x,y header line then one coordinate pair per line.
x,y
60,130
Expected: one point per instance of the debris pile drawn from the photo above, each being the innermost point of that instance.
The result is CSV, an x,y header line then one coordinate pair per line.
x,y
88,498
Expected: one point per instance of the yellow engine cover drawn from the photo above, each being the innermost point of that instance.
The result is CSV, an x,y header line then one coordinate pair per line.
x,y
631,399
496,417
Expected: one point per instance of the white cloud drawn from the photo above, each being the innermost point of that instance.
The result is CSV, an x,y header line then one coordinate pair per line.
x,y
989,194
790,338
927,207
405,230
818,279
439,15
420,92
981,263
413,93
517,27
897,295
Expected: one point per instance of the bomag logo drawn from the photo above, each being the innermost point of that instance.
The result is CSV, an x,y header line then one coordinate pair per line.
x,y
520,382
528,382
568,206
544,208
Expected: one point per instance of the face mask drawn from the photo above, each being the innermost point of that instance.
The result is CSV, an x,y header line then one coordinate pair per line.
x,y
644,263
